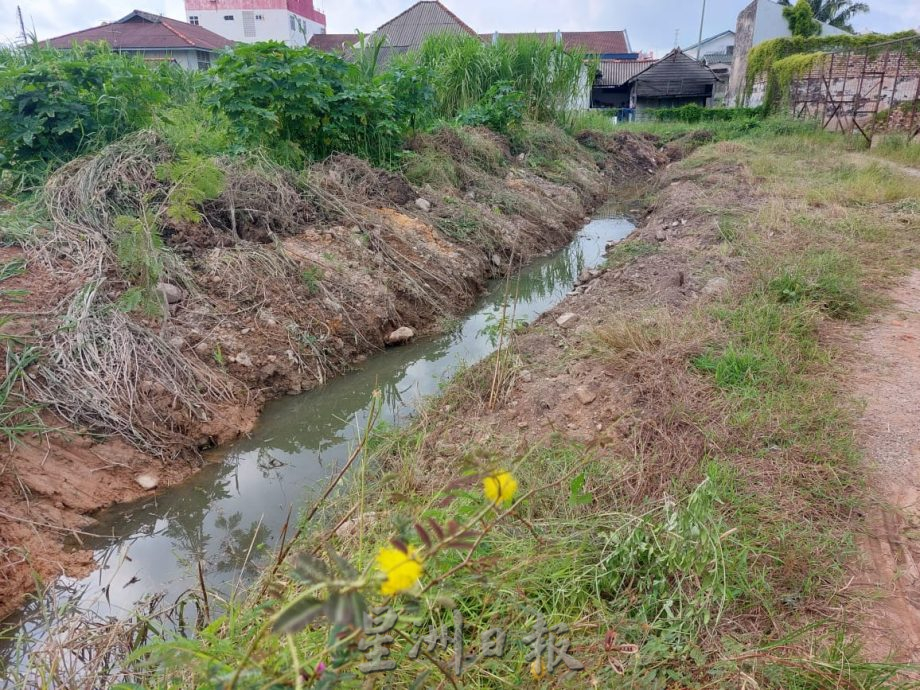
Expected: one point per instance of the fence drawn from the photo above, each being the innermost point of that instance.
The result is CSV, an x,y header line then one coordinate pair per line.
x,y
869,89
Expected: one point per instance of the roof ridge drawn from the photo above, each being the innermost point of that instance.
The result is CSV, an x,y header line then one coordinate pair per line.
x,y
462,23
176,31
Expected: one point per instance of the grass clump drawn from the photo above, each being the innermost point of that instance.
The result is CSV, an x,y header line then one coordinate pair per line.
x,y
827,279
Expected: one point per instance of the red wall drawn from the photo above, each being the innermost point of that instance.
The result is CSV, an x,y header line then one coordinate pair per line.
x,y
302,7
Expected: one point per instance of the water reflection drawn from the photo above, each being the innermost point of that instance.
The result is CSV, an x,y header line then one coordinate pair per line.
x,y
233,511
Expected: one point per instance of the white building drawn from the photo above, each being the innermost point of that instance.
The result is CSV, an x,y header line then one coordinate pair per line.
x,y
248,21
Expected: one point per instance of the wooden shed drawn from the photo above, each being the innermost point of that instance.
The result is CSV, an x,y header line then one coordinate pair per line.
x,y
673,81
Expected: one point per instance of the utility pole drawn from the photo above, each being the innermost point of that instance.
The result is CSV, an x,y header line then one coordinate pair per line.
x,y
22,26
700,40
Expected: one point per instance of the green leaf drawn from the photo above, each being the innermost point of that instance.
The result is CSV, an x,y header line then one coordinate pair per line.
x,y
298,614
577,496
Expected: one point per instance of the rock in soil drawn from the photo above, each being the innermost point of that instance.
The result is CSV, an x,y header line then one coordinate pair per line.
x,y
401,335
715,286
567,320
147,481
243,359
585,395
171,293
423,204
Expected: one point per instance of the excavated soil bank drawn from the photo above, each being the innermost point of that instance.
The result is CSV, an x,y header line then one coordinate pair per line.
x,y
284,282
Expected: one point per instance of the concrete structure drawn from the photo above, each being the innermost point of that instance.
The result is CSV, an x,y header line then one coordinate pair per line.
x,y
291,21
717,53
155,38
758,22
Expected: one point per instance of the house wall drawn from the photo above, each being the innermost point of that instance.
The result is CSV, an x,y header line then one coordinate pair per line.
x,y
187,59
258,20
760,21
720,44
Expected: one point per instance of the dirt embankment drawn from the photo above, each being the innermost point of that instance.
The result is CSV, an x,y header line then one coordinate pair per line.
x,y
269,289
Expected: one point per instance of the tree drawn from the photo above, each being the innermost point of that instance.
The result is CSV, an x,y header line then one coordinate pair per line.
x,y
837,13
801,19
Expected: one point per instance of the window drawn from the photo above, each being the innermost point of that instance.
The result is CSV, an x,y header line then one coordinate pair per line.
x,y
204,59
193,20
228,17
293,25
249,24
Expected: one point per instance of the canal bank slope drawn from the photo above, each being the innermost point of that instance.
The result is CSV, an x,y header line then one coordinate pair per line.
x,y
686,480
270,288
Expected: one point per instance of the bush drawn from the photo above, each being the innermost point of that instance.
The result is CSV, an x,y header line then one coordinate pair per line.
x,y
500,109
693,113
55,105
271,92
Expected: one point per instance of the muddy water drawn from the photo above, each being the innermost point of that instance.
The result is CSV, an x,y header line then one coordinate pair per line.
x,y
231,514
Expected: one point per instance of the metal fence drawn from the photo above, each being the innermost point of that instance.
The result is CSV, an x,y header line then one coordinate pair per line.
x,y
868,90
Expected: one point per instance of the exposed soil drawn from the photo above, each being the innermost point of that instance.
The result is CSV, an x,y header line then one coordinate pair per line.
x,y
280,290
885,374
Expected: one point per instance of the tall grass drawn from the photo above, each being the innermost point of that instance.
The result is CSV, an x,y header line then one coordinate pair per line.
x,y
550,77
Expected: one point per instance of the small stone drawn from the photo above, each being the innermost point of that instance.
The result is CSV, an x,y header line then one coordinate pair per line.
x,y
496,260
203,348
660,235
523,425
147,481
243,359
683,221
585,395
400,335
526,376
567,320
599,426
423,204
245,331
215,279
674,224
171,293
715,286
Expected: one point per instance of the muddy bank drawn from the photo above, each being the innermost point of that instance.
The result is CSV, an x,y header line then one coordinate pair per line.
x,y
277,284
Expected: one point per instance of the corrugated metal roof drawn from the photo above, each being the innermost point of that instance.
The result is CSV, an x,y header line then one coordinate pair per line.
x,y
143,30
675,74
408,30
618,72
332,42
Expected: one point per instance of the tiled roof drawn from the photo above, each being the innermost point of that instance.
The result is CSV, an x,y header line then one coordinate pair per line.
x,y
618,72
331,42
718,58
149,31
409,29
593,42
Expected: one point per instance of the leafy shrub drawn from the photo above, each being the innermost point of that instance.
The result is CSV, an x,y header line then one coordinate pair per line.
x,y
318,102
55,105
500,109
693,113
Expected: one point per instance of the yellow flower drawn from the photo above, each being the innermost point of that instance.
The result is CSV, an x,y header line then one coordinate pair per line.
x,y
402,569
538,669
500,487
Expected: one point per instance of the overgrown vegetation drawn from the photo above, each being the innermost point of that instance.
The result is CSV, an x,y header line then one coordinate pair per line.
x,y
780,60
702,548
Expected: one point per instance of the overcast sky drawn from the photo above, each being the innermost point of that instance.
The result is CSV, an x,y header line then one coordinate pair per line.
x,y
651,23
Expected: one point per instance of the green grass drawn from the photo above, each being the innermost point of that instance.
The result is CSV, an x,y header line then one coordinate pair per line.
x,y
897,147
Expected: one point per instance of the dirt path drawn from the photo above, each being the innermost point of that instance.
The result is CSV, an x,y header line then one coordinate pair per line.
x,y
886,376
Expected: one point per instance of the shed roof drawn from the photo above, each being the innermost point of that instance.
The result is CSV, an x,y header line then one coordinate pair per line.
x,y
332,42
676,74
143,30
615,73
711,38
